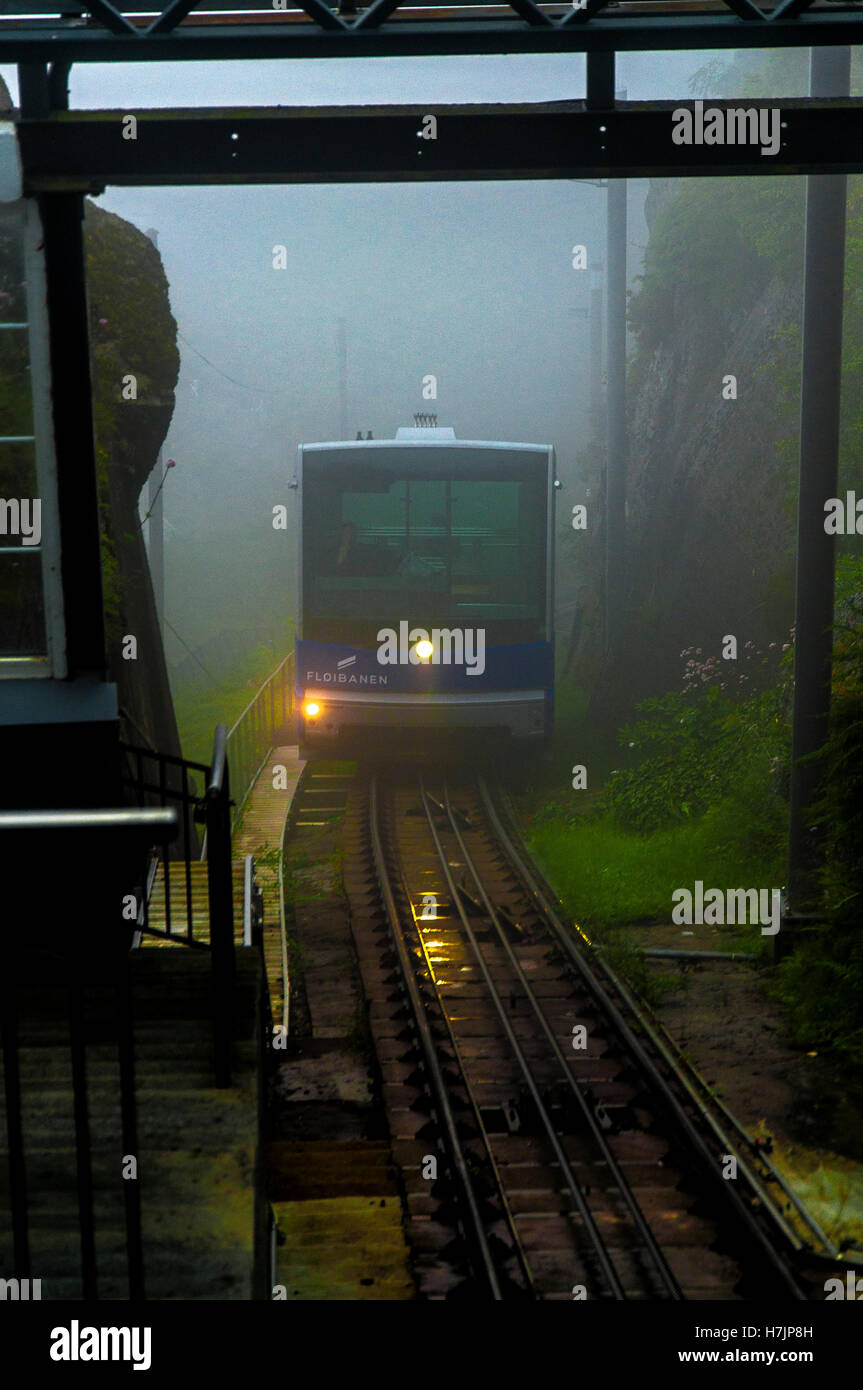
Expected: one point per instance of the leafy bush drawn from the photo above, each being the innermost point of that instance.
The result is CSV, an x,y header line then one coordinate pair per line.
x,y
822,982
700,748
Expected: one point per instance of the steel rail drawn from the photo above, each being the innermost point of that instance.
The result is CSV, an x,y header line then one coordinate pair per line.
x,y
647,1066
701,1097
571,1181
666,1275
283,932
454,1144
518,1247
701,1094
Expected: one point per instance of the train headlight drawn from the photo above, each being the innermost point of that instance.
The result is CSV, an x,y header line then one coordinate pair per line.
x,y
424,650
311,709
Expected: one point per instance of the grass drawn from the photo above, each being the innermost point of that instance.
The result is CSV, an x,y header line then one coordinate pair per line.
x,y
609,876
200,707
358,1037
622,955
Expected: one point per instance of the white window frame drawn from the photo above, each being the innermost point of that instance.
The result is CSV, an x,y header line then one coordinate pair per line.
x,y
53,663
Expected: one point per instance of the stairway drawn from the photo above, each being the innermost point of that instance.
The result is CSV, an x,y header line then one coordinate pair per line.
x,y
197,1145
157,916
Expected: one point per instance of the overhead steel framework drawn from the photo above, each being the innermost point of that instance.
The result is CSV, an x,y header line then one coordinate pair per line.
x,y
85,150
99,31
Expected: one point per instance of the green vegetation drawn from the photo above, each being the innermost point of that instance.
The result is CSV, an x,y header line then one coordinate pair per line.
x,y
714,248
358,1037
699,795
606,875
201,706
822,983
697,787
703,795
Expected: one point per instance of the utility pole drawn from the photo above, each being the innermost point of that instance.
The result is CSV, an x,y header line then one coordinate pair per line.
x,y
595,323
595,412
823,288
156,523
616,452
342,353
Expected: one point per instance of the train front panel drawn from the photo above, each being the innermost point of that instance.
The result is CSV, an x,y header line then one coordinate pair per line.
x,y
425,591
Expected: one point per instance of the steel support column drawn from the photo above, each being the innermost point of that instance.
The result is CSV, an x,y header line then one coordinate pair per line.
x,y
616,448
62,222
819,462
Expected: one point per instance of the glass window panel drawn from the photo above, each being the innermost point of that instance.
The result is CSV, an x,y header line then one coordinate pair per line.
x,y
17,476
13,287
22,614
22,617
442,550
16,407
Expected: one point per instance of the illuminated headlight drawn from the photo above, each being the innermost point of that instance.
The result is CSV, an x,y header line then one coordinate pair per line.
x,y
424,650
311,709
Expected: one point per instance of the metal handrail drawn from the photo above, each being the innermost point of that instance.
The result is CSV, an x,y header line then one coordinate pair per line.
x,y
261,688
283,933
218,764
158,821
252,734
214,809
248,884
135,830
176,782
220,895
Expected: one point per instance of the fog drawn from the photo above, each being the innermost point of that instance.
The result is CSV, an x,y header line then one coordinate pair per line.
x,y
472,283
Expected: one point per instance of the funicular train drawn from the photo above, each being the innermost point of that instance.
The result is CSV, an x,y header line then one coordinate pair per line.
x,y
425,604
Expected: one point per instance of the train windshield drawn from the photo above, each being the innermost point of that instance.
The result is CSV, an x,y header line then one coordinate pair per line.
x,y
441,540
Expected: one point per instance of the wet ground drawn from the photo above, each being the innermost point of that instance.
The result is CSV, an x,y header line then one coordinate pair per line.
x,y
721,1015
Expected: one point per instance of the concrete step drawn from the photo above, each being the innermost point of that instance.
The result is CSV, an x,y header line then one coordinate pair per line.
x,y
188,1253
166,1117
51,1068
343,1249
329,1168
196,1144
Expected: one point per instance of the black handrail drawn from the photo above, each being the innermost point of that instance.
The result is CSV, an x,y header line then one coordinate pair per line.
x,y
170,782
56,837
14,1129
220,891
218,766
213,809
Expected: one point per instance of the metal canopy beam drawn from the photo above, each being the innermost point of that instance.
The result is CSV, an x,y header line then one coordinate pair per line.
x,y
85,151
294,35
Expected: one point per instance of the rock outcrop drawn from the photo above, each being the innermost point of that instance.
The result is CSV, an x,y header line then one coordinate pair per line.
x,y
133,333
710,491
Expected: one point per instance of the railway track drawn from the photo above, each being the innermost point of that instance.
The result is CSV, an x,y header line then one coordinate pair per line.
x,y
549,1145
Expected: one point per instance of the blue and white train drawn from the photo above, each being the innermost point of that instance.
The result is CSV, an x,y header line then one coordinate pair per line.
x,y
425,598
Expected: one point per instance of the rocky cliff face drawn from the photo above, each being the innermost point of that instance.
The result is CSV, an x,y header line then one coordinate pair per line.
x,y
710,516
133,333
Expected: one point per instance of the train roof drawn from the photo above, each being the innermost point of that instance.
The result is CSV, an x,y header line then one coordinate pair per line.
x,y
423,437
